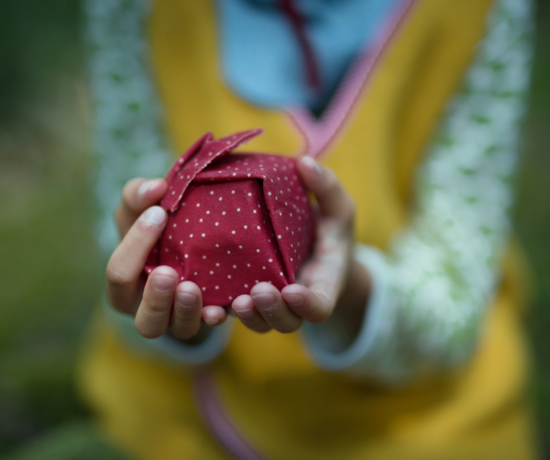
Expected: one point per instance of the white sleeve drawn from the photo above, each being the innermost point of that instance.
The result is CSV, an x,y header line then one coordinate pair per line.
x,y
129,141
431,290
208,345
127,125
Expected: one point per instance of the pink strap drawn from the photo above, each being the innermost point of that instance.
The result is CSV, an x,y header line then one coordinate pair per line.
x,y
218,422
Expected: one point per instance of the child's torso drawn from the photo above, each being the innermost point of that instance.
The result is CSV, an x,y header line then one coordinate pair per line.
x,y
374,138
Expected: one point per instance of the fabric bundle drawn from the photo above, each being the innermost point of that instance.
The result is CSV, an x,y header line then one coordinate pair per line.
x,y
234,220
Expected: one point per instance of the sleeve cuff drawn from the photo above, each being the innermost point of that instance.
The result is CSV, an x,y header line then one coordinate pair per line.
x,y
168,346
203,352
354,358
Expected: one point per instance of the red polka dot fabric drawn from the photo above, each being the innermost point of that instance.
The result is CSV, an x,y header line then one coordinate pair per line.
x,y
234,220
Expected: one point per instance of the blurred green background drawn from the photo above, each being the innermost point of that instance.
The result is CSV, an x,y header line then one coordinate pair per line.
x,y
51,272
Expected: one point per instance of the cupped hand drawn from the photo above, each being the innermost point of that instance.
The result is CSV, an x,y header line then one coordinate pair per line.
x,y
331,282
160,304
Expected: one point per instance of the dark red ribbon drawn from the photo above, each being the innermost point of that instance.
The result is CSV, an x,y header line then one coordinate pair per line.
x,y
297,22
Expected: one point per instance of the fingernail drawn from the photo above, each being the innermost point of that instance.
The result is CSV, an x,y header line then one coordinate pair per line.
x,y
245,314
163,283
186,300
155,215
143,188
294,300
264,300
313,164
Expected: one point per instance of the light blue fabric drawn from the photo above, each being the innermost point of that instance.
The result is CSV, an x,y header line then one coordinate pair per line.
x,y
262,60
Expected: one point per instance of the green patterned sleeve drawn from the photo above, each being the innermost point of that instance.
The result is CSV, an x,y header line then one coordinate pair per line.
x,y
127,126
433,287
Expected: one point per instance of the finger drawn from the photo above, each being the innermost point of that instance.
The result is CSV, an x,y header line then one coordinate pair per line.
x,y
186,314
313,305
269,303
214,315
327,270
333,200
245,309
138,195
324,277
153,315
325,274
331,255
126,263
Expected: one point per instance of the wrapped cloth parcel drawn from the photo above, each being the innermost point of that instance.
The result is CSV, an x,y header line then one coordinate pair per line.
x,y
234,220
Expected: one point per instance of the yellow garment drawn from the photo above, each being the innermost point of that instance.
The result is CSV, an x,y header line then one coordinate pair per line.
x,y
280,402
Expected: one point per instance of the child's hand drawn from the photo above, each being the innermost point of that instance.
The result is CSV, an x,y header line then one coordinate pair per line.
x,y
161,304
332,280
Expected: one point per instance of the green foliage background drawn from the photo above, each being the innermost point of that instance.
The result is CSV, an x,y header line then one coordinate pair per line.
x,y
51,273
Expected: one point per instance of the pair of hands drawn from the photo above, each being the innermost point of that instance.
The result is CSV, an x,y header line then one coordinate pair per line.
x,y
333,284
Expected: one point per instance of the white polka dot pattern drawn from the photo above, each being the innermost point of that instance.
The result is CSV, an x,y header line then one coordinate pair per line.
x,y
234,220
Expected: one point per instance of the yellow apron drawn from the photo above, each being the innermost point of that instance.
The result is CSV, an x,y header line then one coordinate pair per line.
x,y
280,404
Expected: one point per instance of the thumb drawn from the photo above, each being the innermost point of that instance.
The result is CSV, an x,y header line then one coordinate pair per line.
x,y
333,200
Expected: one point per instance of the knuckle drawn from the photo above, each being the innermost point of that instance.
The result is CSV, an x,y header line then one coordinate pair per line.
x,y
117,276
130,188
184,314
155,307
